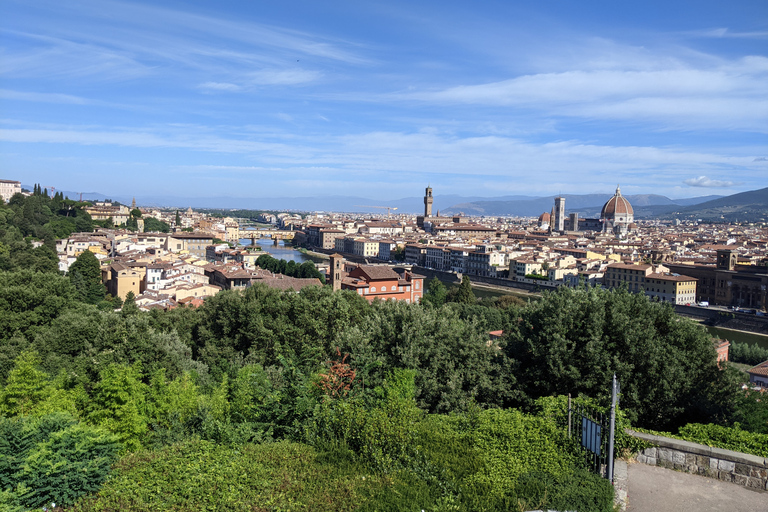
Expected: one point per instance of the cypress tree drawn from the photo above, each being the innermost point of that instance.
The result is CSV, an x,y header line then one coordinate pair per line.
x,y
465,295
85,275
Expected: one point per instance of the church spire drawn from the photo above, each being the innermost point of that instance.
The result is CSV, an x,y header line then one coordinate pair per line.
x,y
618,190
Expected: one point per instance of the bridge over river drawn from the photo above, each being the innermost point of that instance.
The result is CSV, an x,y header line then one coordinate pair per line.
x,y
254,234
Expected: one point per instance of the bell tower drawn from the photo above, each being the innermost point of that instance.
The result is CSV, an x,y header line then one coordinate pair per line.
x,y
428,202
336,271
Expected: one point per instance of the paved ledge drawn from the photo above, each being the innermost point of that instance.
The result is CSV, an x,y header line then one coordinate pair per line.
x,y
700,449
728,466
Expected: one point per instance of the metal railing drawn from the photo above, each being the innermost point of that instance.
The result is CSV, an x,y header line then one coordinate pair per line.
x,y
594,432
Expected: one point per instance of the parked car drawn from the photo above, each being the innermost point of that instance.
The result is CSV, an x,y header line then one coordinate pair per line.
x,y
704,304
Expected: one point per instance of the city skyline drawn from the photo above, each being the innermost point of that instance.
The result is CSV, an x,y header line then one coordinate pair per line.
x,y
341,98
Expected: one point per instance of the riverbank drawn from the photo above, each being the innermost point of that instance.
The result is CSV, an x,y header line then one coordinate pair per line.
x,y
313,254
482,290
738,336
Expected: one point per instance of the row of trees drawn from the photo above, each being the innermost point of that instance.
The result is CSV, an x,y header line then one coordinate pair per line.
x,y
289,268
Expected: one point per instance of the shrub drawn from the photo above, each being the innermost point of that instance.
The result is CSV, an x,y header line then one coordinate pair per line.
x,y
202,476
728,438
52,459
580,490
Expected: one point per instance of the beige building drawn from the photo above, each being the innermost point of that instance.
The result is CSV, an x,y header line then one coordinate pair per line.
x,y
673,288
123,279
192,243
105,210
8,188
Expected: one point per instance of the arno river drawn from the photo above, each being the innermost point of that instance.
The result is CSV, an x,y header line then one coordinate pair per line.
x,y
279,251
739,336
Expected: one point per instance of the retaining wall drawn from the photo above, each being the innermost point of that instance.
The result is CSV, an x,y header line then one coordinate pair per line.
x,y
739,468
726,319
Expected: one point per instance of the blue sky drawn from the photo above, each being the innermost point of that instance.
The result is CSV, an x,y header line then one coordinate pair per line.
x,y
379,99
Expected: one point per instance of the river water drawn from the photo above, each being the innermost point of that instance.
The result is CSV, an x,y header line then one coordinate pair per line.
x,y
279,251
739,336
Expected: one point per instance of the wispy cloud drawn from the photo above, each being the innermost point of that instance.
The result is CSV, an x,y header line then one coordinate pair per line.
x,y
703,181
704,97
112,38
43,97
727,33
219,86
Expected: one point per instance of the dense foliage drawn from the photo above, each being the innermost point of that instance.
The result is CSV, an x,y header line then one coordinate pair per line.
x,y
728,438
747,354
308,392
289,268
152,225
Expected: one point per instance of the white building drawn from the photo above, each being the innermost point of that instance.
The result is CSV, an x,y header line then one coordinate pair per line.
x,y
8,188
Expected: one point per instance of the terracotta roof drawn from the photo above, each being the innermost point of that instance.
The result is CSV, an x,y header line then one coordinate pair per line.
x,y
617,205
761,369
670,277
374,272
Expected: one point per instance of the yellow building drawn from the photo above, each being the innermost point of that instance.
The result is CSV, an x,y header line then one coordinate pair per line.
x,y
123,279
674,288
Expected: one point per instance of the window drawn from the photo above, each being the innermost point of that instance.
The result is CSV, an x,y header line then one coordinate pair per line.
x,y
373,288
416,285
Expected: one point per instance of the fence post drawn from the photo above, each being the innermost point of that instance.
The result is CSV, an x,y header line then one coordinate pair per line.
x,y
614,393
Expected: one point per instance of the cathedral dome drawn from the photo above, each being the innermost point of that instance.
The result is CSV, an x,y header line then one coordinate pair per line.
x,y
544,218
617,206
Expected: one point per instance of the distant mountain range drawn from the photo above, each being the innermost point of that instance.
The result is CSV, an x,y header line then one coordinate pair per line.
x,y
588,205
750,206
745,206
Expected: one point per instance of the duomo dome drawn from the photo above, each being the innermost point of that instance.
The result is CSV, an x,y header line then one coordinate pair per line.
x,y
617,214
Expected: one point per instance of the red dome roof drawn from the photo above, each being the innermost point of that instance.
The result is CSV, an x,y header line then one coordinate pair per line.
x,y
544,217
617,205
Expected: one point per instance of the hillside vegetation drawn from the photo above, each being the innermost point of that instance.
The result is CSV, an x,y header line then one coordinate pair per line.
x,y
270,400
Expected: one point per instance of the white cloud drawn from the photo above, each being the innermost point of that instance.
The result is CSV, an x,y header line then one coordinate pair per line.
x,y
282,76
43,97
732,94
219,86
703,181
727,33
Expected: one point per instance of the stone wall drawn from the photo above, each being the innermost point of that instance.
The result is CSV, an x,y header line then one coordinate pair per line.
x,y
726,319
728,466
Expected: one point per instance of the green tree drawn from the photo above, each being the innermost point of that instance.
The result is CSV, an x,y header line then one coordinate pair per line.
x,y
153,225
454,362
85,275
129,305
436,295
573,340
25,388
464,294
119,404
178,219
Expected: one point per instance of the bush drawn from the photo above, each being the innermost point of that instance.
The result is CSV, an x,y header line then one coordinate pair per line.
x,y
202,476
580,490
728,438
52,459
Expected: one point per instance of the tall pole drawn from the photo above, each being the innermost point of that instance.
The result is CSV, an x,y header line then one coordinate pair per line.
x,y
614,396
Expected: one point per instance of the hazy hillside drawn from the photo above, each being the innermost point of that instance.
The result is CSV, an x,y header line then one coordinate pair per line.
x,y
750,206
587,205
